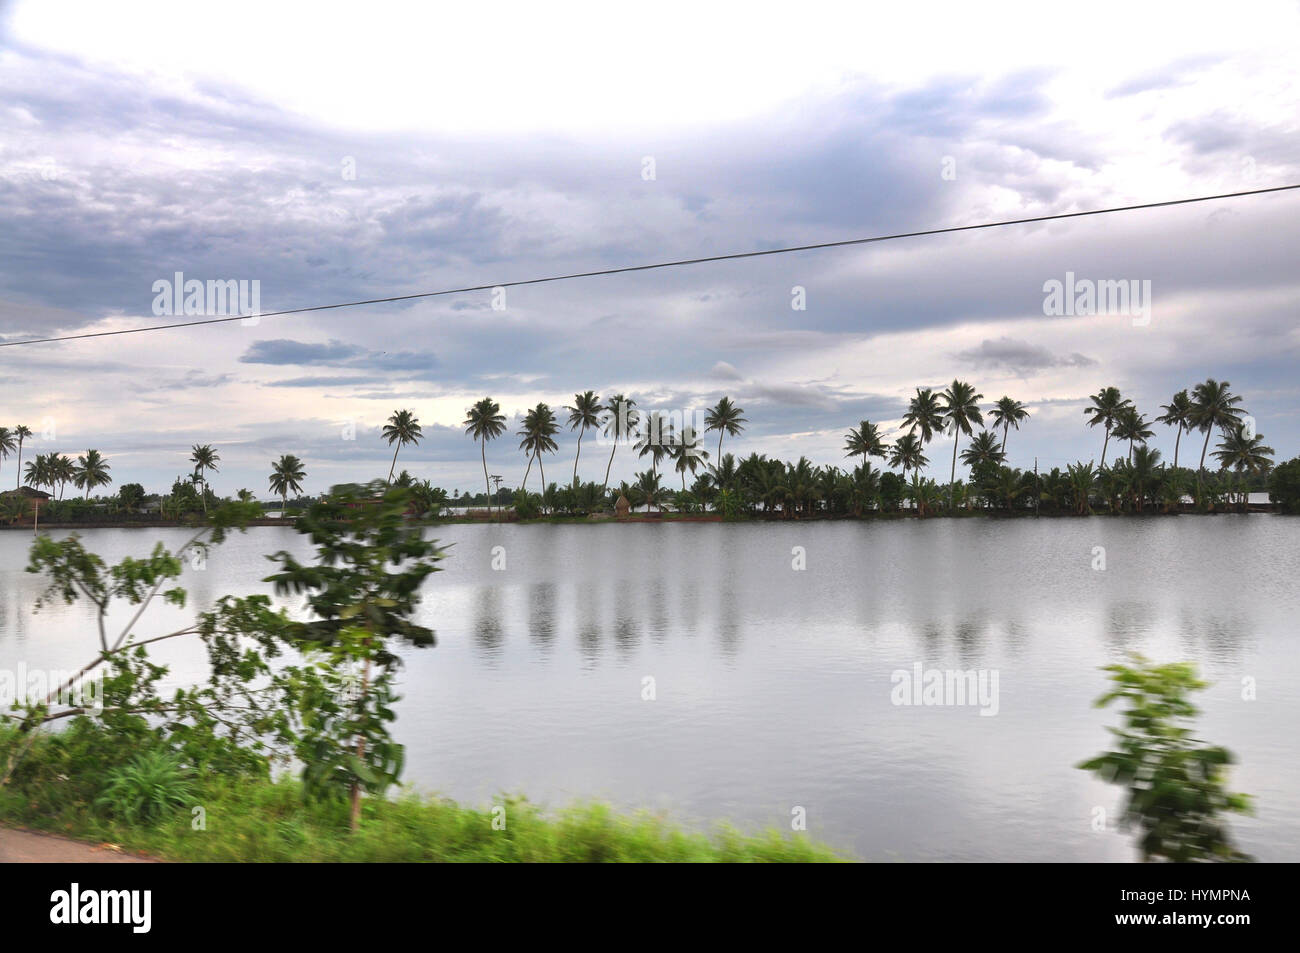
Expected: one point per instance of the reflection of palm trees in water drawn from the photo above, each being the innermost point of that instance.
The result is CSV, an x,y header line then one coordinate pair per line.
x,y
488,631
541,614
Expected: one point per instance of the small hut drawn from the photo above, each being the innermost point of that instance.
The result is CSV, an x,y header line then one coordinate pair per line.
x,y
622,507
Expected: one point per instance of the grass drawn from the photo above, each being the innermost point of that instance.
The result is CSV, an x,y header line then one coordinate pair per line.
x,y
268,821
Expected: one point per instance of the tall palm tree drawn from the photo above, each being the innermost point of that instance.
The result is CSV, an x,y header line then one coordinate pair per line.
x,y
403,427
686,453
204,458
1177,413
924,413
653,439
1213,406
287,474
1007,413
619,425
1132,426
725,418
7,443
484,421
62,471
584,413
22,433
864,440
538,431
908,453
961,411
92,471
1107,404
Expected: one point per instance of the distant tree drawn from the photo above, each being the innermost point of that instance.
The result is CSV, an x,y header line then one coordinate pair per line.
x,y
403,427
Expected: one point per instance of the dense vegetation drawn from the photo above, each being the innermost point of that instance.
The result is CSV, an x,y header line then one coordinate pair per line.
x,y
1136,480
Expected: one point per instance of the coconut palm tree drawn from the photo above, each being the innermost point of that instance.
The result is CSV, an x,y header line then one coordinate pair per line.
x,y
22,433
961,411
924,413
1143,473
584,413
61,471
204,458
686,453
1177,413
1007,413
908,453
538,431
653,439
403,427
484,421
725,418
1242,453
92,471
1213,407
864,440
984,449
648,490
1107,405
619,425
1082,478
287,474
1132,426
7,443
38,472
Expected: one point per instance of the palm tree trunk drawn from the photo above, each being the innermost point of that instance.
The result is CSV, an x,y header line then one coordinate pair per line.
x,y
1006,426
1177,440
394,466
578,456
284,504
528,470
1103,445
1201,469
605,489
720,433
19,481
542,468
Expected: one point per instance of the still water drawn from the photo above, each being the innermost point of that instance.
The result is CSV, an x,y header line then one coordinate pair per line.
x,y
772,684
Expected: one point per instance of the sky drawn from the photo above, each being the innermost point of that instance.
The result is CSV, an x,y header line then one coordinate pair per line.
x,y
335,152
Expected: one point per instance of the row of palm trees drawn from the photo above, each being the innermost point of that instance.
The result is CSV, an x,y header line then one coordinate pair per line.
x,y
52,470
619,420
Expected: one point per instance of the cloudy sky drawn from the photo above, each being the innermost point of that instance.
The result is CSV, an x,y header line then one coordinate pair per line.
x,y
334,152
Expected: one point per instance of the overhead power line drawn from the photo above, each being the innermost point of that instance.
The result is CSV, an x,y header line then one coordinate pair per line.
x,y
651,267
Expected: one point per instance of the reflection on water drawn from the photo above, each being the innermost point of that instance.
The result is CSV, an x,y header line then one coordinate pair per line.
x,y
773,684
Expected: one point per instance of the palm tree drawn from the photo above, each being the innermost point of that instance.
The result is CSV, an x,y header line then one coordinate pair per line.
x,y
1107,404
652,440
7,443
686,453
1132,426
618,426
402,428
725,418
538,432
1213,406
1007,413
38,472
61,471
484,421
584,413
983,449
1143,470
1177,413
907,453
204,458
960,410
287,474
92,471
1082,478
648,490
925,414
22,433
864,440
1243,453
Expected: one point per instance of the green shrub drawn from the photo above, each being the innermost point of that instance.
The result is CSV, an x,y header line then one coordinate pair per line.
x,y
150,786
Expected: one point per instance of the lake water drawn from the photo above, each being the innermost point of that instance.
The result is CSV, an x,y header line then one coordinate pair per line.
x,y
773,684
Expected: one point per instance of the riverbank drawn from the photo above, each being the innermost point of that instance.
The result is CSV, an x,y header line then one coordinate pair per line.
x,y
268,821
